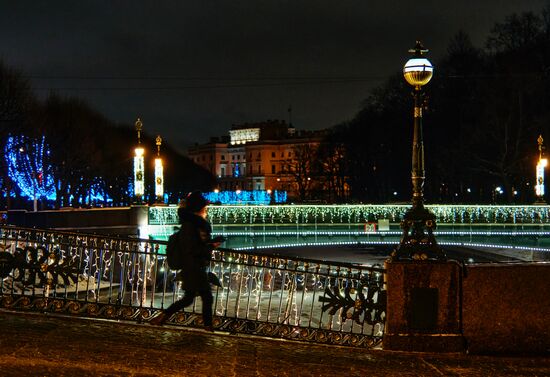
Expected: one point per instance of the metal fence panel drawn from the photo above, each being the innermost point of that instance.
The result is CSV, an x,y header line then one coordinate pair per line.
x,y
128,279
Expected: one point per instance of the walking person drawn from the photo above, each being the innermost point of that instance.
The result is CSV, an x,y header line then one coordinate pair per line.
x,y
195,239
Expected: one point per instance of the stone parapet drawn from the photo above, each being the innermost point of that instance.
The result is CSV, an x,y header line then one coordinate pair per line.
x,y
423,308
506,308
116,220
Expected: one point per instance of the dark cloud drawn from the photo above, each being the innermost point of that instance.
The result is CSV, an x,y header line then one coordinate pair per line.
x,y
190,69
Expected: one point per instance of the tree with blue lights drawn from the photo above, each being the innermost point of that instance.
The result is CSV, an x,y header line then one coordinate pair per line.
x,y
16,104
28,166
80,155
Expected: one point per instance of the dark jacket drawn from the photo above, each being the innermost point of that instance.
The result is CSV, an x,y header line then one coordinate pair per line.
x,y
195,236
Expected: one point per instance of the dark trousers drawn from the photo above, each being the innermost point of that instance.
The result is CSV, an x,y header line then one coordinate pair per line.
x,y
188,297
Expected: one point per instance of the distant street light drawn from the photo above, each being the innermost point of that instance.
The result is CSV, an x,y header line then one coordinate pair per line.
x,y
541,164
418,241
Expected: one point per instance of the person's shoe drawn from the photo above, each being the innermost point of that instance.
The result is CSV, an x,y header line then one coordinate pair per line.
x,y
159,320
209,328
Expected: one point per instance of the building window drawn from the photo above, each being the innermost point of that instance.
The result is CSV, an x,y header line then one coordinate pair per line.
x,y
282,154
223,157
259,169
259,155
272,154
233,157
272,169
289,154
223,172
238,157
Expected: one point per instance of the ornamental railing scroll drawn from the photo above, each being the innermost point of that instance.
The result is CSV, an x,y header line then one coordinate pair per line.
x,y
128,279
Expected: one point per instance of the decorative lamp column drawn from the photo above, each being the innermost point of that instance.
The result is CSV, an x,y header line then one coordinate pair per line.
x,y
541,164
139,166
159,173
423,298
418,241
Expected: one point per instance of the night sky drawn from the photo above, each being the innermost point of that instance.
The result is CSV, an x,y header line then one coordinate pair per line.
x,y
191,69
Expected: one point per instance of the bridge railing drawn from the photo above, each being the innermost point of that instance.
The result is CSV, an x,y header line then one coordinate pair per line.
x,y
128,279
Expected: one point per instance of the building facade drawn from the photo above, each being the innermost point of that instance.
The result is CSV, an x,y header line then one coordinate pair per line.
x,y
262,156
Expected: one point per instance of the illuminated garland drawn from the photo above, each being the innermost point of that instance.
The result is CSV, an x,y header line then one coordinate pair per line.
x,y
357,214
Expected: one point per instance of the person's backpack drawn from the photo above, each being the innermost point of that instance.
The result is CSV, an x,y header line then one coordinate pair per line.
x,y
174,253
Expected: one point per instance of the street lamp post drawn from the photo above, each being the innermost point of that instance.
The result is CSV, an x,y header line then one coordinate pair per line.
x,y
417,241
541,164
159,173
139,166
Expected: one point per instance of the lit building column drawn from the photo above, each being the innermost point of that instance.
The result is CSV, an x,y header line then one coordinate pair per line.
x,y
139,166
159,174
541,164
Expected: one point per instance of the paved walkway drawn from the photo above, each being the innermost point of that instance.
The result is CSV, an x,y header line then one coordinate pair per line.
x,y
42,345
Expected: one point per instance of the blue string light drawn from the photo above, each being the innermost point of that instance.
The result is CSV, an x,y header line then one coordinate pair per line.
x,y
254,197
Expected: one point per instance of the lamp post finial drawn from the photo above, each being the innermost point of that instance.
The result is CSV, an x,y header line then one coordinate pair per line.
x,y
139,126
158,142
418,49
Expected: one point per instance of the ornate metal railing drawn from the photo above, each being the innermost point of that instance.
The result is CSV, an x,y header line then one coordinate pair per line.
x,y
127,279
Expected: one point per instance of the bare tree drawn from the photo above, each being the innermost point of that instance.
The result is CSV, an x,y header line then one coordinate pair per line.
x,y
332,160
73,130
16,105
517,32
301,168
